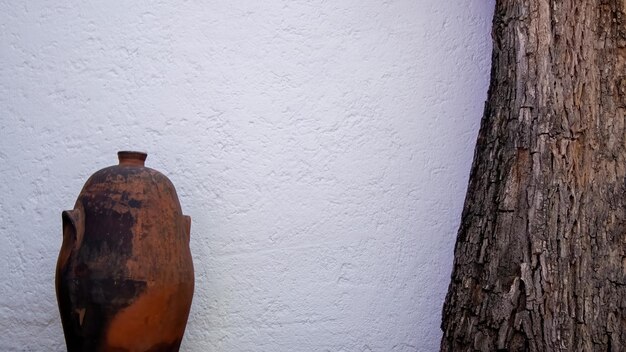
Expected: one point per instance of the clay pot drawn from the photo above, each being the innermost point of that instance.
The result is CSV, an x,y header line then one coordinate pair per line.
x,y
124,277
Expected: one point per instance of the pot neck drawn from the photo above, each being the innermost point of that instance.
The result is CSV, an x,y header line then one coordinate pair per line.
x,y
131,158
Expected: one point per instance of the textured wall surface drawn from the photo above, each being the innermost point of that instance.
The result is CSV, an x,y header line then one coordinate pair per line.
x,y
322,149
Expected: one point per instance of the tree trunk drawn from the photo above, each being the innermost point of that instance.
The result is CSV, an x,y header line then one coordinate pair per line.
x,y
540,258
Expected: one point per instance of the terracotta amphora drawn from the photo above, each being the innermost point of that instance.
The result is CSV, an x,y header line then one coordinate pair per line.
x,y
124,277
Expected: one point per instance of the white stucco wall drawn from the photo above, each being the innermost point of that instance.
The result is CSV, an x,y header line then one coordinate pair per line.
x,y
322,149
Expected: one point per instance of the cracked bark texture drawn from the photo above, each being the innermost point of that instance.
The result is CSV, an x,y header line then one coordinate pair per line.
x,y
540,258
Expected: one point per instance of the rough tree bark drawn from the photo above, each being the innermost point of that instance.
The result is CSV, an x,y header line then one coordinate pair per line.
x,y
540,258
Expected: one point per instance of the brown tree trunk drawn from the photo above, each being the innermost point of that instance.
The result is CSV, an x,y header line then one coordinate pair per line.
x,y
540,258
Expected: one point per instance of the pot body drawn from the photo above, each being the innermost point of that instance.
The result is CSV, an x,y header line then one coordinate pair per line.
x,y
124,276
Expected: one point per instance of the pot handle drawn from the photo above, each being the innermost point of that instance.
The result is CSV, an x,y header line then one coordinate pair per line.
x,y
73,231
187,223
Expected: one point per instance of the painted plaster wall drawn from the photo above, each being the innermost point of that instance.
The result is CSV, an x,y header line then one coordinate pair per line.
x,y
322,149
